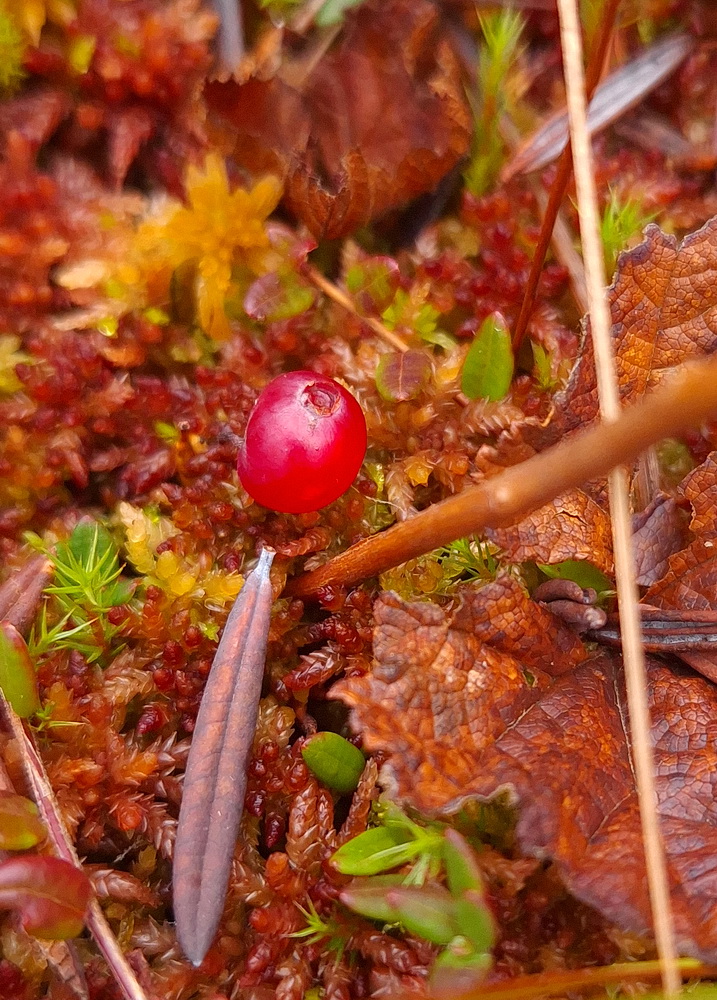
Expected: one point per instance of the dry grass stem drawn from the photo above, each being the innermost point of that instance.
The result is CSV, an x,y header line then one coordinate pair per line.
x,y
342,299
562,176
633,653
564,981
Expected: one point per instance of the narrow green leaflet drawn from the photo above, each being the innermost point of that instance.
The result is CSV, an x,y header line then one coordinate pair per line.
x,y
425,911
488,368
17,674
333,11
375,851
582,572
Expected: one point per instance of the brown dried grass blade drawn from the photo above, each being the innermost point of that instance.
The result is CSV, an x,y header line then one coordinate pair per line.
x,y
625,576
215,780
39,786
622,90
20,594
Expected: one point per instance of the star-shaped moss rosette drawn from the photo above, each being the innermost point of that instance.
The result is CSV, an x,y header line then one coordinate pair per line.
x,y
218,236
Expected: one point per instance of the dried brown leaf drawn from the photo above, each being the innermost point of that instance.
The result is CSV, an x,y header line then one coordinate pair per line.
x,y
443,689
658,532
216,770
559,746
573,526
379,119
663,304
690,579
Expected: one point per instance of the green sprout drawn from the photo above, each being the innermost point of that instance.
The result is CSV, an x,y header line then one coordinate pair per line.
x,y
396,841
467,560
498,57
43,720
317,929
621,222
87,572
412,312
87,584
62,635
455,916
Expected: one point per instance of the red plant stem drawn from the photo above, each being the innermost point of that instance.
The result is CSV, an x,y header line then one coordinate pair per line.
x,y
683,401
562,176
39,785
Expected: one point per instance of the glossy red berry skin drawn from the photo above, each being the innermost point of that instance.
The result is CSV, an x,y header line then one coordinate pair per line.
x,y
304,443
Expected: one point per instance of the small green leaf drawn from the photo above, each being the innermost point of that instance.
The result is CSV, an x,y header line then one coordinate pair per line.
x,y
373,282
426,911
475,921
580,571
335,761
368,896
20,826
543,368
376,850
462,871
459,968
488,368
275,297
333,12
18,679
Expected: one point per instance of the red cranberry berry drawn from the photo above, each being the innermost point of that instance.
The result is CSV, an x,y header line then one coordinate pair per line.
x,y
305,442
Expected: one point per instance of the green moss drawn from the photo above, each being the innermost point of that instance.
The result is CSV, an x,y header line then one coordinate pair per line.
x,y
12,52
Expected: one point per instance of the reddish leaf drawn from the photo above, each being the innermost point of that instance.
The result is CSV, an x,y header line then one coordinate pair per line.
x,y
380,119
50,895
373,282
690,582
700,488
21,592
403,375
274,297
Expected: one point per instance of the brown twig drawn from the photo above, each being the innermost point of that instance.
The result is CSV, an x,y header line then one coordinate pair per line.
x,y
342,299
625,575
562,176
567,981
683,401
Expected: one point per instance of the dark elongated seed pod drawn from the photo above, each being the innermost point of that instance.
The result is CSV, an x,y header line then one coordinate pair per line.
x,y
215,781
